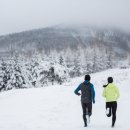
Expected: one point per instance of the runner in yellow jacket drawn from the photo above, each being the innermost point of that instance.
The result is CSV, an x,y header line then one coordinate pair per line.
x,y
111,93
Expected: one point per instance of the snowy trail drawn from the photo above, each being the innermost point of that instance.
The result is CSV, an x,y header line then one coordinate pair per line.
x,y
58,108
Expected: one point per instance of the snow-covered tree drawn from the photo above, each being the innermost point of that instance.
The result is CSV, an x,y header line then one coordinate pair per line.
x,y
4,75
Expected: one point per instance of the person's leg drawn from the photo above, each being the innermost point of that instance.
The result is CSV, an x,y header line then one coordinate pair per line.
x,y
89,107
108,109
114,108
89,111
84,106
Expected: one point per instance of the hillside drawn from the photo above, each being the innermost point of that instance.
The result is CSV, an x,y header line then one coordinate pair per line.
x,y
58,108
62,37
53,55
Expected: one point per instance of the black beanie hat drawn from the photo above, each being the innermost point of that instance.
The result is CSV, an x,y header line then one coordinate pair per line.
x,y
87,77
110,79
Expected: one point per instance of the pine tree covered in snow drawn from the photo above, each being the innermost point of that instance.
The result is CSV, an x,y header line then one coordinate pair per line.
x,y
4,75
17,79
13,74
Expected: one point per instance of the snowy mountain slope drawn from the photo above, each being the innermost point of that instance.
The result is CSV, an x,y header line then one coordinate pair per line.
x,y
79,49
63,36
58,108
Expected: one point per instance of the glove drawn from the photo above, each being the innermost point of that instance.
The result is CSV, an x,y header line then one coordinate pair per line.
x,y
78,94
93,101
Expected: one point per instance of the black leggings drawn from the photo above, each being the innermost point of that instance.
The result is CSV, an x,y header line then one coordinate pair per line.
x,y
112,110
87,110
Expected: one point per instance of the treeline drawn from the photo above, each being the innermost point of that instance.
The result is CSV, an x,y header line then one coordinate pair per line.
x,y
41,69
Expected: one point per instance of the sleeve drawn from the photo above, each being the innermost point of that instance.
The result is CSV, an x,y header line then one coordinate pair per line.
x,y
93,93
77,90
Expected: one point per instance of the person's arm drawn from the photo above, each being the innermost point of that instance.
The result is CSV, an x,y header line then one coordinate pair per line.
x,y
77,90
93,93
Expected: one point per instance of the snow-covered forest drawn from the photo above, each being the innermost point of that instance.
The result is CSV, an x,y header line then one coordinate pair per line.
x,y
47,56
21,71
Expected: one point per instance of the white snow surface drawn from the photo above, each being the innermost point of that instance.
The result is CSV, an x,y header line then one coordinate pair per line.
x,y
58,108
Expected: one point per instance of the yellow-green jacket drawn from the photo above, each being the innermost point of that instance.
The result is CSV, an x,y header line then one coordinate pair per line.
x,y
111,93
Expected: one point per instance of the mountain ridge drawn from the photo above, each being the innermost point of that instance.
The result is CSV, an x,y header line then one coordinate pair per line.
x,y
61,37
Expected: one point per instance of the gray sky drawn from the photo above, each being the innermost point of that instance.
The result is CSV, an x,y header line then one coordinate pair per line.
x,y
19,15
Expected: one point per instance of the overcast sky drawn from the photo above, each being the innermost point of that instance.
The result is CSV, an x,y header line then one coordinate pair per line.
x,y
19,15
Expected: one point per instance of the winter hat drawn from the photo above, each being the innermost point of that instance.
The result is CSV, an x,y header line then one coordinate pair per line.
x,y
110,79
87,77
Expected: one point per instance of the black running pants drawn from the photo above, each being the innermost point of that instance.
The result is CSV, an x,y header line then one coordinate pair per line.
x,y
87,110
112,110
